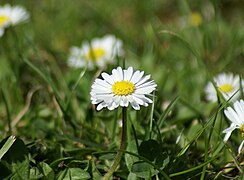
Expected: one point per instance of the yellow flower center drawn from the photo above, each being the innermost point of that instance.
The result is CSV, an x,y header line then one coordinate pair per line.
x,y
226,88
123,88
95,53
195,19
242,130
3,20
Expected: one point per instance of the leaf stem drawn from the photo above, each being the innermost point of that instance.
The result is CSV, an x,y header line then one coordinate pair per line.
x,y
120,153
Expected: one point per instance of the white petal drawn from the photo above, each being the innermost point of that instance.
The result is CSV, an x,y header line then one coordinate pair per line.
x,y
138,100
143,97
239,110
149,83
100,89
144,79
111,106
120,73
137,76
102,82
228,131
115,75
101,105
231,115
135,105
240,147
146,90
104,97
125,100
108,78
117,100
128,74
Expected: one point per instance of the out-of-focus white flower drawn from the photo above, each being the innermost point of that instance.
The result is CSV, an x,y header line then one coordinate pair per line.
x,y
10,16
236,116
121,88
99,52
227,84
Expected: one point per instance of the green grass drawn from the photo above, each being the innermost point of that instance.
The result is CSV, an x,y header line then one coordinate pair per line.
x,y
60,135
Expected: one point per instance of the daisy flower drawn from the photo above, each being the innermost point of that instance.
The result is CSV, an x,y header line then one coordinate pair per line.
x,y
121,88
235,115
10,16
195,19
99,52
227,84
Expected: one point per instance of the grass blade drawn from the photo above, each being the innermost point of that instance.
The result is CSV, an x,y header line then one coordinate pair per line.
x,y
7,145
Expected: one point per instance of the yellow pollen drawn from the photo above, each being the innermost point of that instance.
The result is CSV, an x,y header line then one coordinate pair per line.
x,y
123,88
242,130
195,19
226,88
3,20
95,54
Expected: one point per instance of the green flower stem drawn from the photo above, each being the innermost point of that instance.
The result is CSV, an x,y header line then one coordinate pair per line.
x,y
120,153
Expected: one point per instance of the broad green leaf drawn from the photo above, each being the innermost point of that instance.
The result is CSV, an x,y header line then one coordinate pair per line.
x,y
35,173
73,174
95,173
129,159
46,171
21,170
142,169
132,176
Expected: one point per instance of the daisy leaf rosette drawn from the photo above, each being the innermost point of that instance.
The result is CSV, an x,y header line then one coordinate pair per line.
x,y
98,53
10,16
121,88
227,84
235,115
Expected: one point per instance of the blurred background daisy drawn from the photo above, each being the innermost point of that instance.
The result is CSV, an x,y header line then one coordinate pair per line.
x,y
227,84
11,15
97,53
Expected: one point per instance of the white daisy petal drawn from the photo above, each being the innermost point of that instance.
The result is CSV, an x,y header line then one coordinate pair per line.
x,y
111,106
143,97
120,73
101,105
102,83
115,75
240,147
135,105
120,89
147,84
137,76
231,114
128,74
138,100
235,115
145,90
107,78
125,101
228,131
238,106
143,80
